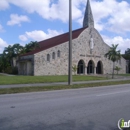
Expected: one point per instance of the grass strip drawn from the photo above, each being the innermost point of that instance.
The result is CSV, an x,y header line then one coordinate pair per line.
x,y
59,87
7,80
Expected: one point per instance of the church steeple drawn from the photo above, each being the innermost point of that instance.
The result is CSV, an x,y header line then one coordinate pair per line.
x,y
88,17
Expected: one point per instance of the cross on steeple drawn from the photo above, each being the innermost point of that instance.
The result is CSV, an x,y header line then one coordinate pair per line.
x,y
88,17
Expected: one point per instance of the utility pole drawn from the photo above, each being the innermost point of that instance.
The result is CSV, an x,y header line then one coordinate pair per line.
x,y
70,45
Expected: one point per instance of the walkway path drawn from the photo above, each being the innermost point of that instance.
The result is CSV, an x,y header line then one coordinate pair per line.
x,y
61,83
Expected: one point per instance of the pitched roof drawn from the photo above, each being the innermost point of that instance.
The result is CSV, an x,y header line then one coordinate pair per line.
x,y
54,41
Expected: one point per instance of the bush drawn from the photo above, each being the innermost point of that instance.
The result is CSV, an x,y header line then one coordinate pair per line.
x,y
0,69
8,70
11,70
15,70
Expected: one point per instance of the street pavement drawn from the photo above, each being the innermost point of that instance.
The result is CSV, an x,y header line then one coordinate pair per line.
x,y
97,108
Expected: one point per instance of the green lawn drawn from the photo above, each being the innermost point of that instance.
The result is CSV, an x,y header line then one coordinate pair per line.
x,y
2,75
58,87
44,79
123,75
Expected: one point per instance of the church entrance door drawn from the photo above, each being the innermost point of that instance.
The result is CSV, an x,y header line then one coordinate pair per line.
x,y
90,68
80,69
99,68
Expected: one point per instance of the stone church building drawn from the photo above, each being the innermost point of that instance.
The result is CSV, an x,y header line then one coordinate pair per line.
x,y
88,50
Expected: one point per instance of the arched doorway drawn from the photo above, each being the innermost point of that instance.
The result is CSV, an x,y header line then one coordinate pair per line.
x,y
80,69
90,68
128,67
99,69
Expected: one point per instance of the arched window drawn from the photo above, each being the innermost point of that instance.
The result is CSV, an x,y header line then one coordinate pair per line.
x,y
58,53
99,69
81,67
48,57
90,68
53,55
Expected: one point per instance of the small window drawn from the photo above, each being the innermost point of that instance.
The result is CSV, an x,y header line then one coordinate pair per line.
x,y
58,53
53,55
48,57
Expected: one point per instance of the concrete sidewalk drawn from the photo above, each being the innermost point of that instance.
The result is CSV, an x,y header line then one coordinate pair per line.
x,y
61,83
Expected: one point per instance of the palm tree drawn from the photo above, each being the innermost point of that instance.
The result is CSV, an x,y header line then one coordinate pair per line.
x,y
8,54
113,55
11,52
17,48
117,69
31,46
3,63
127,51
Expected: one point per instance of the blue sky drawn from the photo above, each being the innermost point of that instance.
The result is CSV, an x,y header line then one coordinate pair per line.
x,y
35,20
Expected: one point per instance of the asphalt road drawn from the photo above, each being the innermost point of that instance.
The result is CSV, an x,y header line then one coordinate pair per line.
x,y
97,108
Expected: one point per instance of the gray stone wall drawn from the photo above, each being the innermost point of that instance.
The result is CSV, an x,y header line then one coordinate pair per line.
x,y
26,65
81,51
57,66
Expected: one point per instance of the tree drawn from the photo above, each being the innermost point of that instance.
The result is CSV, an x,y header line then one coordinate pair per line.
x,y
9,54
113,55
17,49
3,63
74,69
31,46
13,51
127,52
126,56
117,69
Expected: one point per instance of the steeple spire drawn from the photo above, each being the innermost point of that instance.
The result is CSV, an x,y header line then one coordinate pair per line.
x,y
88,17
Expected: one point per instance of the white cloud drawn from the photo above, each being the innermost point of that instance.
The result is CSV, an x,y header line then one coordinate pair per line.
x,y
112,15
117,14
100,11
16,19
124,43
3,44
99,26
3,4
50,9
119,21
23,38
38,35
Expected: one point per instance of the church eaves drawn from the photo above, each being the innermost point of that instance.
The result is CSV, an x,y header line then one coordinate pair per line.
x,y
88,17
54,41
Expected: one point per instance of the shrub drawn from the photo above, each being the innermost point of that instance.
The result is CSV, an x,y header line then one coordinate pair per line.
x,y
11,70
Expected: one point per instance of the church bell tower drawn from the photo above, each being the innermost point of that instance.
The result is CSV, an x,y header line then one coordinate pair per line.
x,y
88,17
89,22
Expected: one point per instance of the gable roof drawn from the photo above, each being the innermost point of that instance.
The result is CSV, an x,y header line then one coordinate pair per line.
x,y
54,41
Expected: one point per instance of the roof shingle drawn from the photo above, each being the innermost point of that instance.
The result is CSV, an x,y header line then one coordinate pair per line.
x,y
54,41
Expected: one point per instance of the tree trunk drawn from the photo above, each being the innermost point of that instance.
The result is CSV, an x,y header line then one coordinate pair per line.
x,y
113,70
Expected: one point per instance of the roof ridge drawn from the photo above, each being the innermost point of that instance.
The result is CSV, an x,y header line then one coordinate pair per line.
x,y
64,34
54,41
